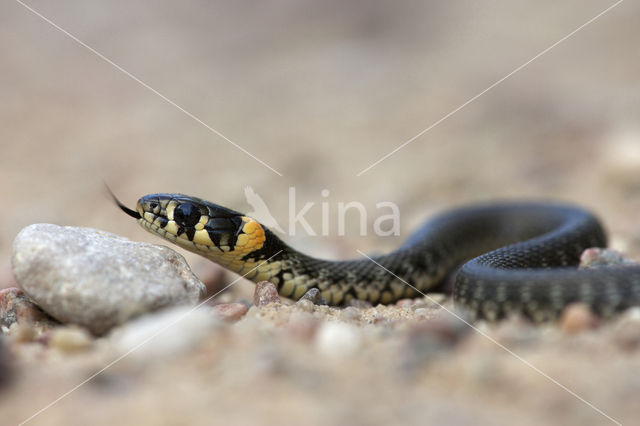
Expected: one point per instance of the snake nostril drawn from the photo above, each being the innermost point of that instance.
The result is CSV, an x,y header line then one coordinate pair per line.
x,y
186,215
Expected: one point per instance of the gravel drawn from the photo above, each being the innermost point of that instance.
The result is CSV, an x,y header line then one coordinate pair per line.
x,y
230,312
314,296
15,307
265,293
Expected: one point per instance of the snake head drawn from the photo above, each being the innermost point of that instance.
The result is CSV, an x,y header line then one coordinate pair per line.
x,y
208,229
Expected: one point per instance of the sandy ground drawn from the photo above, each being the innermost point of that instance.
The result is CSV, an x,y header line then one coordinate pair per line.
x,y
319,92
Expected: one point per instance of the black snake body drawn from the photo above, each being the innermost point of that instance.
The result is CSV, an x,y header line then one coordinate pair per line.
x,y
507,257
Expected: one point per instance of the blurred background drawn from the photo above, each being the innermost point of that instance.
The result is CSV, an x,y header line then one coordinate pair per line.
x,y
318,91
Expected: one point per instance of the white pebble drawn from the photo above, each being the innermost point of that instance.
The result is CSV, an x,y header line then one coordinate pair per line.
x,y
70,339
633,313
163,334
337,340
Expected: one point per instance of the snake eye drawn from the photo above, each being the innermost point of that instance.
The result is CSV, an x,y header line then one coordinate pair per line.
x,y
186,215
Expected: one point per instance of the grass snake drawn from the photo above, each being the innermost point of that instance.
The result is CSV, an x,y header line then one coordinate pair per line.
x,y
511,257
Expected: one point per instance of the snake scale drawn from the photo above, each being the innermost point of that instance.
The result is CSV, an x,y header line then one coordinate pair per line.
x,y
507,257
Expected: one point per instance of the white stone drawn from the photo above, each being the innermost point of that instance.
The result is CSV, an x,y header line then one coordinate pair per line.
x,y
337,340
163,334
96,279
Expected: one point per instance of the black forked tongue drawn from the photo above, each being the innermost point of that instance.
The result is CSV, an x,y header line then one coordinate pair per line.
x,y
124,208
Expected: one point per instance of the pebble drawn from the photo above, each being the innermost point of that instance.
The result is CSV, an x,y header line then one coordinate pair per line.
x,y
163,334
427,340
350,314
360,304
212,276
22,332
626,333
70,339
265,293
305,305
405,303
576,318
595,257
96,279
337,339
15,307
444,326
301,325
230,312
435,299
314,296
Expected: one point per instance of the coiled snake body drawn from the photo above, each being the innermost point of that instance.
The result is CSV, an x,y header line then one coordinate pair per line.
x,y
515,257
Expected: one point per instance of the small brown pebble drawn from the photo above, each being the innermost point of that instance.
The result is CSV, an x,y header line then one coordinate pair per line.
x,y
314,296
405,303
44,338
576,318
265,293
444,326
213,278
230,312
16,307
